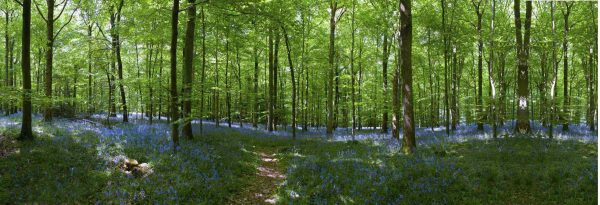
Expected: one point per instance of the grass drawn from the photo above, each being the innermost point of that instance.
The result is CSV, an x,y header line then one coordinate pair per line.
x,y
503,171
61,168
71,163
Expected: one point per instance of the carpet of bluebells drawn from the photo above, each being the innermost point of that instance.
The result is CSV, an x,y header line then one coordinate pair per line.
x,y
73,161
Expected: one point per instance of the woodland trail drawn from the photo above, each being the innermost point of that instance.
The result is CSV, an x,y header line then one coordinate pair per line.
x,y
263,184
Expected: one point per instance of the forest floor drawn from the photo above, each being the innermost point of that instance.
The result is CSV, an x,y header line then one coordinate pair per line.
x,y
263,185
77,161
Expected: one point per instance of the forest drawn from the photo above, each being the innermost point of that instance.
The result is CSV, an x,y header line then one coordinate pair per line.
x,y
298,102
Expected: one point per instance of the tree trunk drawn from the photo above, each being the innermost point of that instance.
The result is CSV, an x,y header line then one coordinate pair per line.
x,y
7,15
566,108
271,84
491,72
255,110
117,47
353,73
384,121
173,52
446,97
593,77
479,66
203,72
289,56
49,57
188,68
523,126
227,88
26,131
409,144
333,7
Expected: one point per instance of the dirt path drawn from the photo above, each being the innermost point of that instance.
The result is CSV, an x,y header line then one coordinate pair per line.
x,y
264,183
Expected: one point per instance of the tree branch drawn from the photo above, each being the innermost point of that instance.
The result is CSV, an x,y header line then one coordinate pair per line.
x,y
102,32
69,21
18,2
61,11
40,12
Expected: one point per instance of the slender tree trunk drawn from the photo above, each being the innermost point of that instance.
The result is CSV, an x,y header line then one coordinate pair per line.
x,y
203,72
332,24
227,88
360,78
255,110
188,69
7,78
90,60
591,95
276,109
117,47
566,108
289,56
491,72
446,97
271,84
173,52
215,102
479,65
384,121
239,91
353,73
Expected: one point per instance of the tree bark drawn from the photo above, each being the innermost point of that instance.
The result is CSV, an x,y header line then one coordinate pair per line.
x,y
26,131
203,72
523,126
332,24
384,121
117,48
173,69
188,68
566,108
289,56
409,144
49,57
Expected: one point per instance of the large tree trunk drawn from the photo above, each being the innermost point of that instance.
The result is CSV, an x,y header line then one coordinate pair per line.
x,y
26,131
523,126
409,144
188,68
